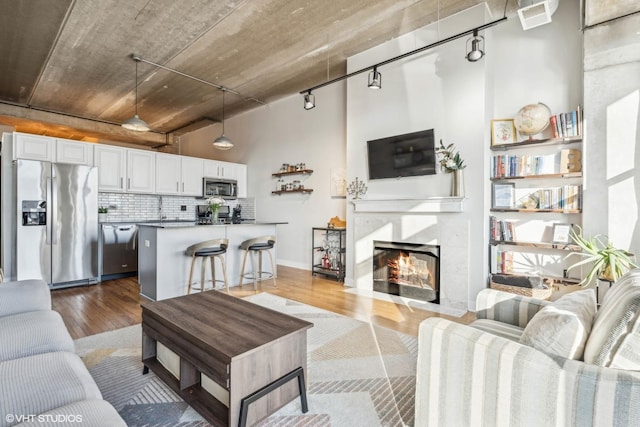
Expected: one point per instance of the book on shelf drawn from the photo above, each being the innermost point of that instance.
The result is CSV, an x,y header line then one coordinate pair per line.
x,y
501,261
502,230
565,125
506,165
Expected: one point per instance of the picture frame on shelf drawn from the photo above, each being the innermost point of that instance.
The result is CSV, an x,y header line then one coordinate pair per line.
x,y
503,195
561,233
503,132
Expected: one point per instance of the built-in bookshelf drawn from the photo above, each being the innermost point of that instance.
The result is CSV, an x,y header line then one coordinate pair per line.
x,y
536,189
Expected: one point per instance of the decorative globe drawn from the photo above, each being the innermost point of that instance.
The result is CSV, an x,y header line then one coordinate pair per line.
x,y
532,119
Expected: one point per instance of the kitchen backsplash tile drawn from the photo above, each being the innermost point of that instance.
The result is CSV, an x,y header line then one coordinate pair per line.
x,y
148,207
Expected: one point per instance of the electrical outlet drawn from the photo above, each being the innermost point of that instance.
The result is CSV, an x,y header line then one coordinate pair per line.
x,y
183,208
147,244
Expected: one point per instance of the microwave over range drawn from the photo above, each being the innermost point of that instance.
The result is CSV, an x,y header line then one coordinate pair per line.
x,y
223,188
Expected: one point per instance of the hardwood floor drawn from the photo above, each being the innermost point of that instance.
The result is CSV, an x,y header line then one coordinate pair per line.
x,y
115,304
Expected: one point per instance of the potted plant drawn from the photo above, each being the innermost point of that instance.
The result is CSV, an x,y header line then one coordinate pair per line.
x,y
607,262
214,204
102,213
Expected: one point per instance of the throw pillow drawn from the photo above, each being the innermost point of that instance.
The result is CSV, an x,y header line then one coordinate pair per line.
x,y
562,327
615,339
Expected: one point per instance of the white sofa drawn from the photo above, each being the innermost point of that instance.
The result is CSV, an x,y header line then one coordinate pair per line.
x,y
42,381
511,366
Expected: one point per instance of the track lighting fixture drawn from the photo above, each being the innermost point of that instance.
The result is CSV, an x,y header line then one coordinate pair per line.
x,y
309,101
375,79
477,47
136,123
222,142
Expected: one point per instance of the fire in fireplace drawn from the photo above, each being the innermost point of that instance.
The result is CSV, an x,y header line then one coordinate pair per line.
x,y
407,269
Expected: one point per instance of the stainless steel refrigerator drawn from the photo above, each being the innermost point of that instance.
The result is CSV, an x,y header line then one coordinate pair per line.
x,y
57,223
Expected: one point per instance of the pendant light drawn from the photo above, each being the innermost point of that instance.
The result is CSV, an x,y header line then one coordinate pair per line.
x,y
135,123
222,142
375,79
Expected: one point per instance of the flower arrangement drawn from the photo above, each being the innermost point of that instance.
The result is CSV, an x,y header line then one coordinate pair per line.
x,y
215,203
450,159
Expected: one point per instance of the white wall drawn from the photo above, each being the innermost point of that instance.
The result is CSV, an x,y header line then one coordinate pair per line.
x,y
439,89
284,132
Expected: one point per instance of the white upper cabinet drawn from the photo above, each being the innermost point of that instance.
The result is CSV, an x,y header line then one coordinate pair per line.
x,y
167,174
191,176
217,169
241,176
34,147
112,167
141,171
77,153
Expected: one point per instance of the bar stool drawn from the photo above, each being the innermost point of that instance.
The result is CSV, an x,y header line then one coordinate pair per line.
x,y
211,249
255,247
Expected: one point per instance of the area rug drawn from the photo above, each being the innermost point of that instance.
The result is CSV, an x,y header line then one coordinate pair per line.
x,y
358,374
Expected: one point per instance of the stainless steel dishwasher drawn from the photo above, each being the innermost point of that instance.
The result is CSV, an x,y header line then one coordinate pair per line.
x,y
119,250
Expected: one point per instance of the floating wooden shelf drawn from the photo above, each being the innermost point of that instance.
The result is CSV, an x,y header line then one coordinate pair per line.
x,y
300,172
548,175
562,211
528,143
304,190
544,245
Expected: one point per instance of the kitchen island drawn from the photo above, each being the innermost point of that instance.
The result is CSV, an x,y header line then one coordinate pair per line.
x,y
163,267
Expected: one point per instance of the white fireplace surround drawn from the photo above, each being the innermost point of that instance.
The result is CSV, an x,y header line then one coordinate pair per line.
x,y
437,222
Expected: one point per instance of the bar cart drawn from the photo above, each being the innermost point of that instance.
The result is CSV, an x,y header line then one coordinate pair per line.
x,y
328,252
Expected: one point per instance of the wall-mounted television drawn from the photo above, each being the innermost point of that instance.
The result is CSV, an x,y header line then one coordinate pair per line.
x,y
411,154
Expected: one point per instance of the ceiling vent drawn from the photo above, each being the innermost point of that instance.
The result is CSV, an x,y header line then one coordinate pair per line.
x,y
534,13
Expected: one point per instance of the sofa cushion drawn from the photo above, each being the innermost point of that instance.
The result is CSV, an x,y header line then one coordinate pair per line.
x,y
34,332
615,339
24,295
41,383
500,329
562,328
86,413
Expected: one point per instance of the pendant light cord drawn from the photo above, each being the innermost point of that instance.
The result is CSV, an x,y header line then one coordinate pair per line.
x,y
136,88
223,91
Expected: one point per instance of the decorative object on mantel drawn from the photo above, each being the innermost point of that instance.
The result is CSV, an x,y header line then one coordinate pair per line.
x,y
215,203
450,161
607,262
357,188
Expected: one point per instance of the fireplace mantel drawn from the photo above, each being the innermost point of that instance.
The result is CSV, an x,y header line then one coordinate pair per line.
x,y
410,206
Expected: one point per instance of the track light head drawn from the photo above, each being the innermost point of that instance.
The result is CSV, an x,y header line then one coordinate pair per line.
x,y
476,52
375,79
309,101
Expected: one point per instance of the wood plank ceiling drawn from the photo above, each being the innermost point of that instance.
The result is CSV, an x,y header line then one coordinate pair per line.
x,y
66,67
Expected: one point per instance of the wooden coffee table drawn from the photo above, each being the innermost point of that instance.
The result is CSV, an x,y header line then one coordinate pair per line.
x,y
242,349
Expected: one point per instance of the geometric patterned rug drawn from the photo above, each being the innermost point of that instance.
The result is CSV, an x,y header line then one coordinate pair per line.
x,y
358,374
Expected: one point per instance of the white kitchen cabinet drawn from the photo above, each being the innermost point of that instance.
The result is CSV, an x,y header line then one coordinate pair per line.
x,y
112,167
74,152
241,176
191,176
168,179
141,171
218,169
33,147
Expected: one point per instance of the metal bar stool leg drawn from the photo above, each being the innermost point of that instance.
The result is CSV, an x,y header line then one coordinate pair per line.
x,y
193,263
255,275
273,268
213,271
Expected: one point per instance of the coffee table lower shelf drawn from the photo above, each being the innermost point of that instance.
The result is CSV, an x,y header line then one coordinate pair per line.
x,y
201,400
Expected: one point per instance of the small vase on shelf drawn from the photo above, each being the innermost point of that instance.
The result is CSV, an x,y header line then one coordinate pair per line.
x,y
457,183
214,216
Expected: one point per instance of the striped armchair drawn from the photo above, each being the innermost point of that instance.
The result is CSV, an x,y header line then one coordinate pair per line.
x,y
481,375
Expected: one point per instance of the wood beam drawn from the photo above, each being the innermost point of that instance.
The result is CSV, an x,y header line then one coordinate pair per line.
x,y
28,120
